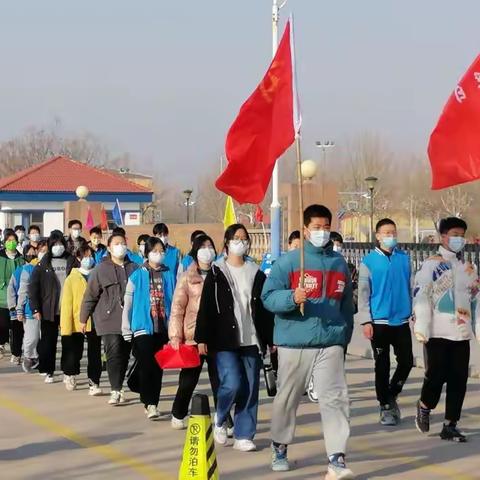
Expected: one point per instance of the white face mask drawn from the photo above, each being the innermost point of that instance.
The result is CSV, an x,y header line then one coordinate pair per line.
x,y
119,251
87,263
238,247
141,249
20,235
34,237
319,238
40,256
337,248
58,250
206,255
156,258
76,233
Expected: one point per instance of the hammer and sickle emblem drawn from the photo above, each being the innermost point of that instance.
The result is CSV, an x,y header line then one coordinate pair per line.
x,y
270,83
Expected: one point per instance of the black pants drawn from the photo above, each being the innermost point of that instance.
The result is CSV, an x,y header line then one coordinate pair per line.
x,y
149,372
47,346
117,351
400,338
16,340
188,381
72,353
4,326
447,362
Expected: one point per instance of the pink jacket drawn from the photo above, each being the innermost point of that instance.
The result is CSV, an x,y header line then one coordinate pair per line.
x,y
185,305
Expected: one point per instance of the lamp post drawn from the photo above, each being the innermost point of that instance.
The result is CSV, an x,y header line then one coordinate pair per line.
x,y
309,169
324,145
188,194
371,181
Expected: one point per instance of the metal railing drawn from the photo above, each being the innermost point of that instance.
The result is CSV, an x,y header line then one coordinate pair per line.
x,y
419,252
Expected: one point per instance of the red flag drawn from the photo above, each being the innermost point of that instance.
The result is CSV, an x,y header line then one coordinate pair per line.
x,y
89,223
454,148
259,214
104,219
262,131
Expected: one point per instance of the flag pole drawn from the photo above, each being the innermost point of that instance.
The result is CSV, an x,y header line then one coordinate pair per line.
x,y
300,215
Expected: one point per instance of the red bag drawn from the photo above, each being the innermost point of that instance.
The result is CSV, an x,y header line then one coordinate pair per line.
x,y
186,356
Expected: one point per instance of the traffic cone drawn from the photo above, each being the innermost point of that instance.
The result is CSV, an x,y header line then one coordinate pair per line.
x,y
199,460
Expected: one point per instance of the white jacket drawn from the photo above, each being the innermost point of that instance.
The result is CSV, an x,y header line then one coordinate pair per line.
x,y
446,298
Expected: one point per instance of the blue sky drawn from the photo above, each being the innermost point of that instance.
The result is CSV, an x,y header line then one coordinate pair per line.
x,y
164,80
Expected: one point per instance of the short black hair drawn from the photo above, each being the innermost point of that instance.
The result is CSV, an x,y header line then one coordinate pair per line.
x,y
142,238
33,227
71,223
295,235
160,229
115,235
198,243
447,224
8,232
19,227
55,237
119,231
195,234
384,221
83,249
96,230
316,211
42,243
336,237
151,243
230,233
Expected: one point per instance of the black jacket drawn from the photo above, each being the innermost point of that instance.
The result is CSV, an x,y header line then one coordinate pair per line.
x,y
216,322
44,289
71,244
103,299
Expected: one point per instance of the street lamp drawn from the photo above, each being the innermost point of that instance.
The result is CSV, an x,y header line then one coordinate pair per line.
x,y
324,145
188,194
371,182
309,169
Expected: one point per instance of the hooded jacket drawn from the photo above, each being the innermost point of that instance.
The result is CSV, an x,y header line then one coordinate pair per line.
x,y
7,267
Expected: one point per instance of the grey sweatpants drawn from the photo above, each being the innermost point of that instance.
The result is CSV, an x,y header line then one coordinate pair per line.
x,y
31,338
295,367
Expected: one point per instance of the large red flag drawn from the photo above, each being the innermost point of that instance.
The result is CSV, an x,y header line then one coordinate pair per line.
x,y
262,131
454,148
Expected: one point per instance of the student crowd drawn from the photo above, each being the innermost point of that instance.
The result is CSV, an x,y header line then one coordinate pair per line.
x,y
135,303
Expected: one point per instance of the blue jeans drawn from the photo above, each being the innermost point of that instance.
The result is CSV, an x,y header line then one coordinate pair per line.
x,y
239,376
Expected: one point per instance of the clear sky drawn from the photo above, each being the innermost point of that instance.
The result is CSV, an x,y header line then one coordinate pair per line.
x,y
164,79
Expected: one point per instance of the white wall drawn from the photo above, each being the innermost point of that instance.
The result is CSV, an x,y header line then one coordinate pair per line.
x,y
52,221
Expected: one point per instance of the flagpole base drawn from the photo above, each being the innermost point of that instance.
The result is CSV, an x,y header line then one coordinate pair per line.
x,y
276,231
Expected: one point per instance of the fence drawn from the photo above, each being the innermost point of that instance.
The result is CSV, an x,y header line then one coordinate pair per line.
x,y
419,252
260,242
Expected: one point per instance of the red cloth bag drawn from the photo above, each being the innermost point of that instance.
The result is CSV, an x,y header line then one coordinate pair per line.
x,y
186,356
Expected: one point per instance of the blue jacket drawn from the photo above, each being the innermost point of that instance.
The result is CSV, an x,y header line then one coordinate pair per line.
x,y
136,317
384,288
172,261
135,257
328,318
100,254
187,260
23,305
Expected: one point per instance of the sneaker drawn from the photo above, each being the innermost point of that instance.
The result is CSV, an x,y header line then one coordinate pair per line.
x,y
451,433
337,469
244,445
71,383
2,351
230,431
312,394
395,409
422,418
122,396
279,458
114,398
94,389
152,412
16,360
27,365
65,378
42,374
178,424
49,378
35,363
387,416
220,433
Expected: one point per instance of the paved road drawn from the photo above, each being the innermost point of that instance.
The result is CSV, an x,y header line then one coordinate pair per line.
x,y
47,432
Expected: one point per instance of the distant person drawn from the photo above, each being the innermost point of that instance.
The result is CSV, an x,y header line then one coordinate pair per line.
x,y
294,240
446,291
99,249
21,235
172,254
141,241
34,236
132,256
187,260
75,239
385,308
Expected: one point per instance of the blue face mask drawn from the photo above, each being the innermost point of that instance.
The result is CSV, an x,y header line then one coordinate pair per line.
x,y
87,263
456,244
389,242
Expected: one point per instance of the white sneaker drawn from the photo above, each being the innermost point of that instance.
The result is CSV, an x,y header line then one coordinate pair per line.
x,y
94,390
178,424
220,433
49,378
42,374
338,473
2,351
16,360
65,378
114,398
122,396
244,445
230,432
71,383
27,365
152,412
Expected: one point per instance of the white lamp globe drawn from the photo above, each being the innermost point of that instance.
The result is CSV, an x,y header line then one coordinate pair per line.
x,y
309,169
82,192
